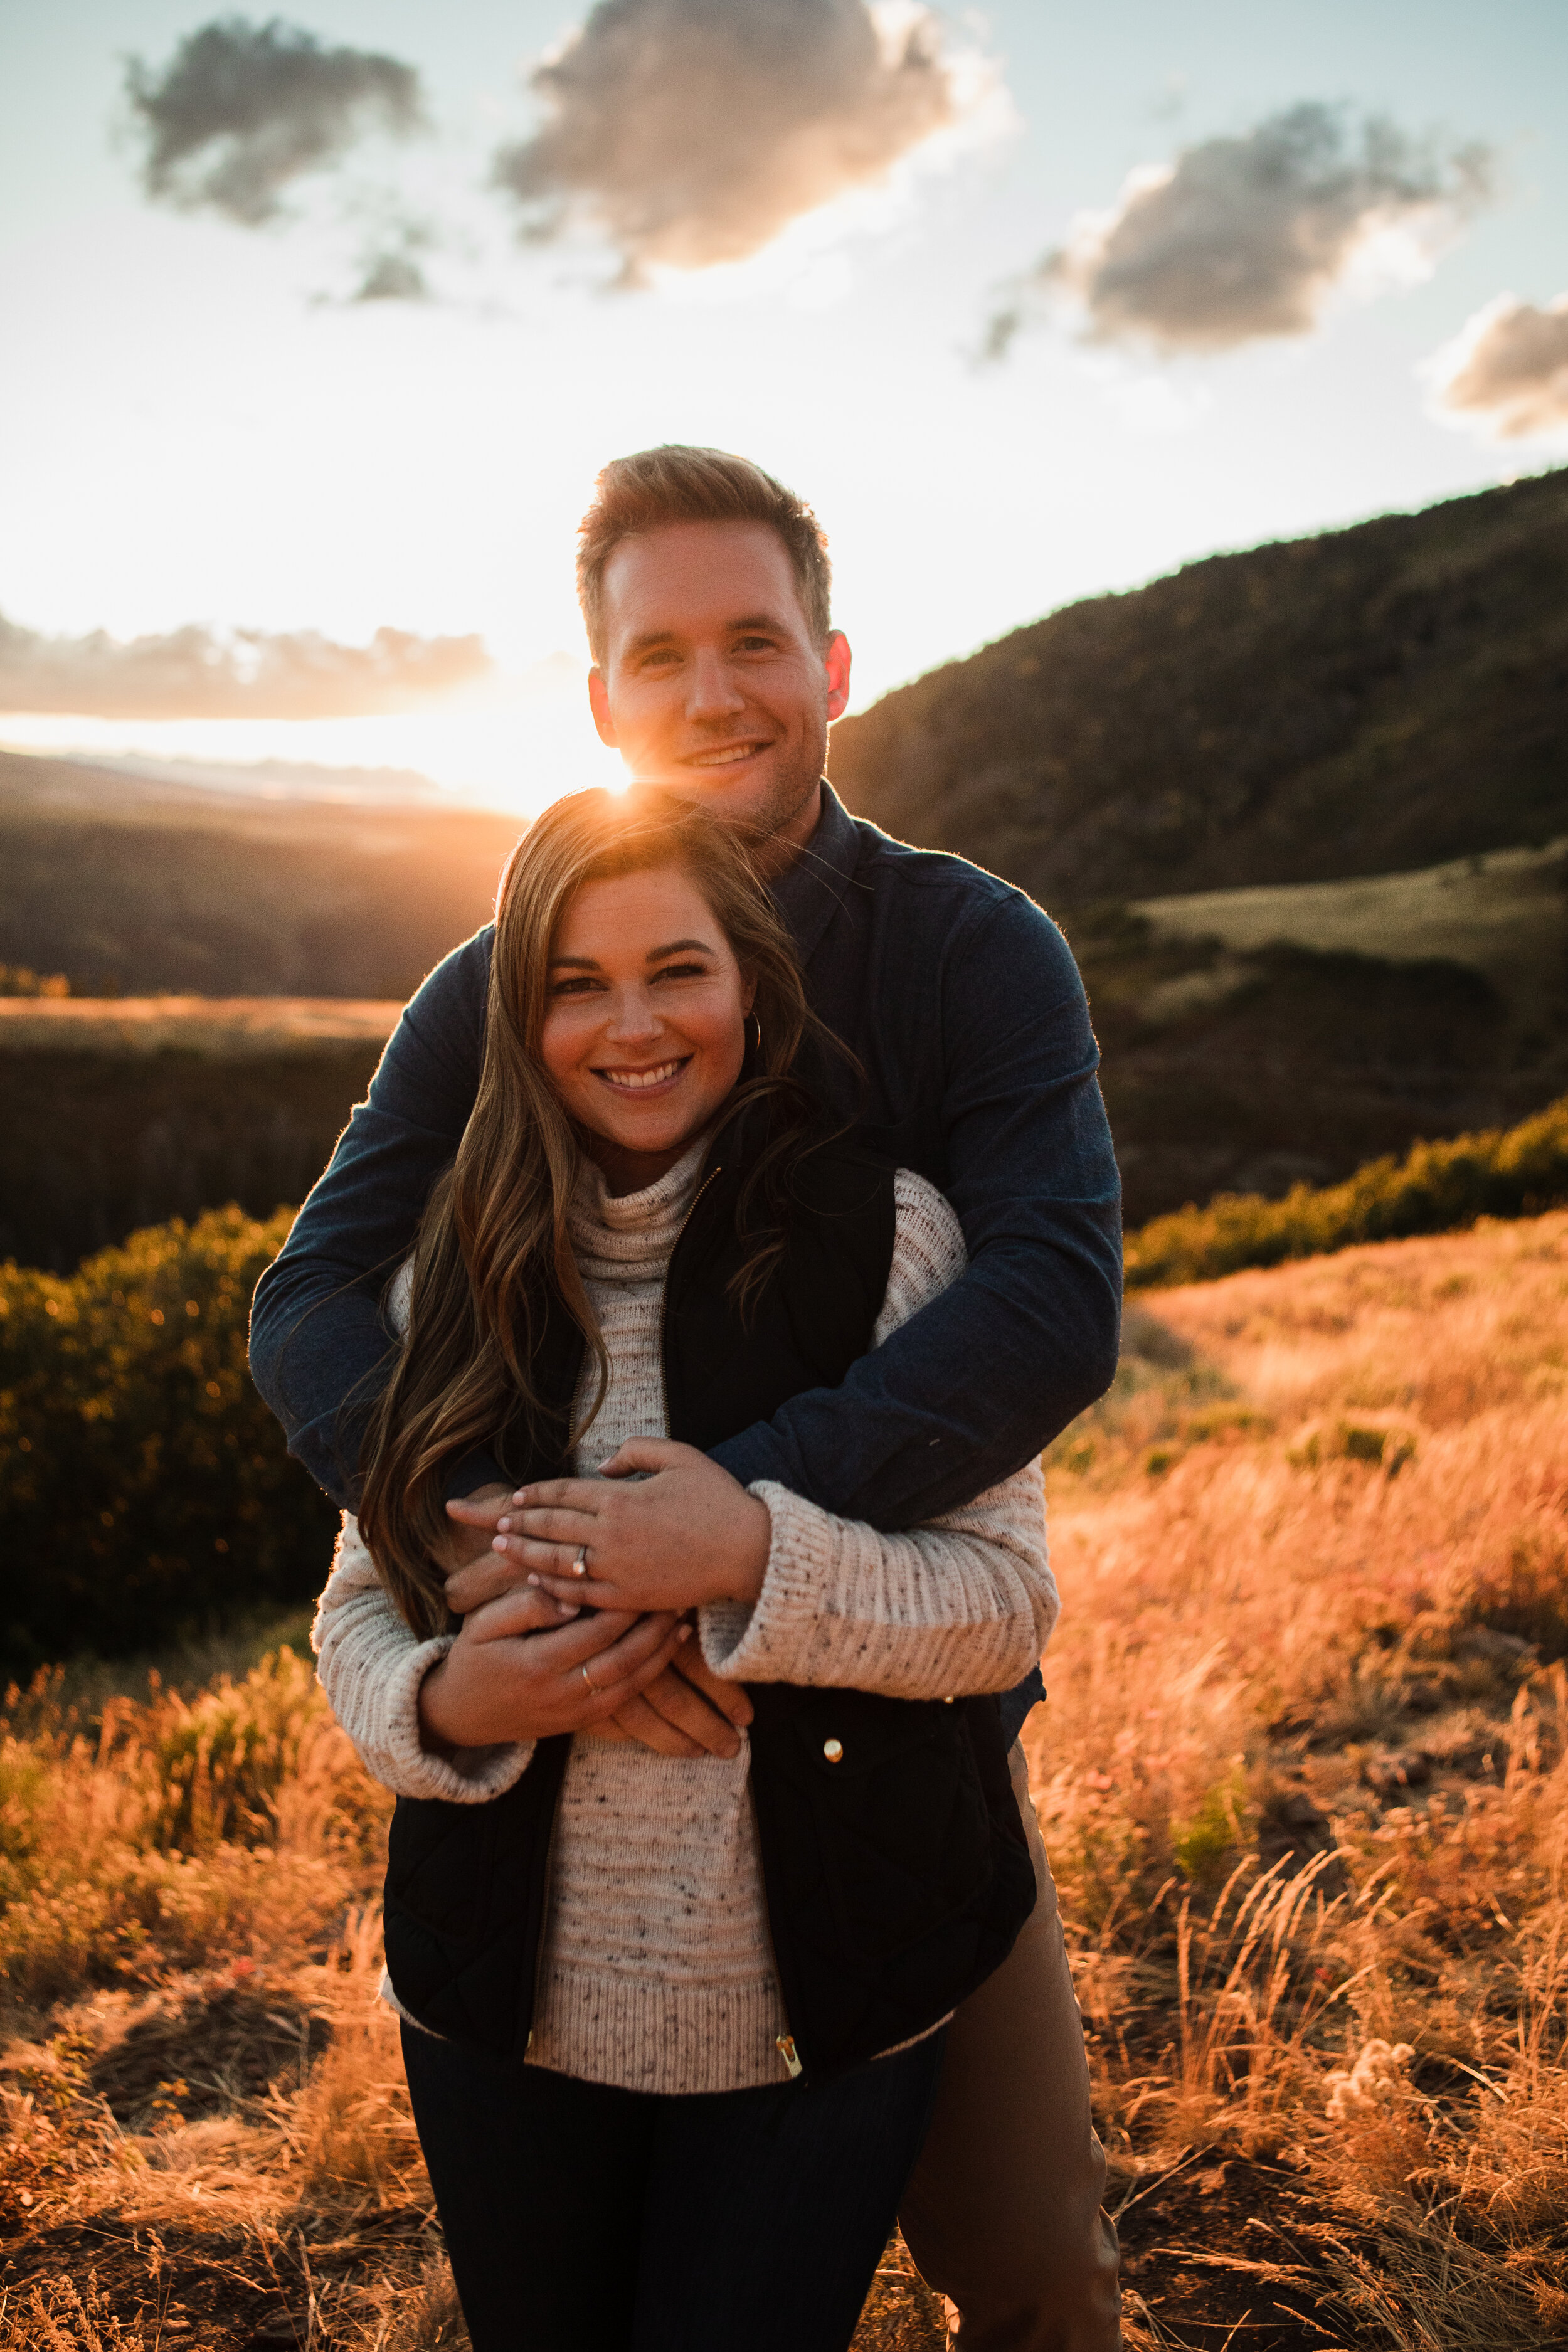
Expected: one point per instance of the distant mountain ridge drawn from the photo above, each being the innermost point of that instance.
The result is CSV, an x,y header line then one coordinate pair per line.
x,y
136,886
1370,700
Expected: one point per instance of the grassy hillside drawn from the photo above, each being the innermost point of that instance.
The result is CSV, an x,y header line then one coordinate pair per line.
x,y
1437,1187
1375,698
1503,913
137,889
119,1113
1303,1774
1232,1073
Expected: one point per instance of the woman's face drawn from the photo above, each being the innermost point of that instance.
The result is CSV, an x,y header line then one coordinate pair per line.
x,y
644,1019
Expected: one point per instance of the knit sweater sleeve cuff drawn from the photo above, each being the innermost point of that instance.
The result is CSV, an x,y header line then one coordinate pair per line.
x,y
771,1640
371,1666
469,1776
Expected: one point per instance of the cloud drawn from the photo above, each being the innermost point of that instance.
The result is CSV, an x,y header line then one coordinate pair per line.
x,y
1245,238
194,672
1507,370
691,131
241,111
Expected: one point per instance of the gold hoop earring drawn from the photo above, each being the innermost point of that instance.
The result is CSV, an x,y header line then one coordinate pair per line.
x,y
757,1026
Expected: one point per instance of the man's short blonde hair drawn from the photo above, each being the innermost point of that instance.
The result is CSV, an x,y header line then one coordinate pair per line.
x,y
679,484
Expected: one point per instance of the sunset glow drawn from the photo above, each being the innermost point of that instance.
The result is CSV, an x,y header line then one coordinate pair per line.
x,y
350,398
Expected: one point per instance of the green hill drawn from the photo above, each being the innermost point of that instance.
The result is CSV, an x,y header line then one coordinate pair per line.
x,y
1378,698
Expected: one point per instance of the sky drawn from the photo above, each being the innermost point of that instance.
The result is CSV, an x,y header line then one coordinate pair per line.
x,y
316,329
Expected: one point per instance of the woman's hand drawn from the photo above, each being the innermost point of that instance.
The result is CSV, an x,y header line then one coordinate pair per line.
x,y
687,1534
502,1680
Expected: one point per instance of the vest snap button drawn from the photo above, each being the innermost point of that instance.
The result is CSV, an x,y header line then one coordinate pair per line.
x,y
833,1749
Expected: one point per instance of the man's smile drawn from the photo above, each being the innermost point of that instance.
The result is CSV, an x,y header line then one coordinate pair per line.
x,y
728,755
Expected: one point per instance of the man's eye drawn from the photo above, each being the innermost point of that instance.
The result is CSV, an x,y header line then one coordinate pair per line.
x,y
755,645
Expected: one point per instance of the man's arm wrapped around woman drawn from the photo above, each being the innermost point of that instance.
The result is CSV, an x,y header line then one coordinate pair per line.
x,y
965,1603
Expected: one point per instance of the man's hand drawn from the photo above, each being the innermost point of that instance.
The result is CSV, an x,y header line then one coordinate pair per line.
x,y
509,1675
687,1534
687,1711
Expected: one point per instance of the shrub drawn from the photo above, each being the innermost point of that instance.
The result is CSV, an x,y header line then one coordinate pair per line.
x,y
144,1487
1436,1189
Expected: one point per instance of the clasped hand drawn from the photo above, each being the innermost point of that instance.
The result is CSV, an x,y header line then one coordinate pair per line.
x,y
684,1534
655,1546
572,1673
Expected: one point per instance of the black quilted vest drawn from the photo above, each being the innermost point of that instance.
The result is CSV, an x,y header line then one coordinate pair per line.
x,y
894,1861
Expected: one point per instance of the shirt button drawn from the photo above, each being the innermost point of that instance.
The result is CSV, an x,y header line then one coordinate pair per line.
x,y
833,1749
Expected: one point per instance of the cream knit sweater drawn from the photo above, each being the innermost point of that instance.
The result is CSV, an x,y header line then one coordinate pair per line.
x,y
658,1969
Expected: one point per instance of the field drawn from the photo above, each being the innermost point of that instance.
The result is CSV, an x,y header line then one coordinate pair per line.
x,y
1303,1777
1503,915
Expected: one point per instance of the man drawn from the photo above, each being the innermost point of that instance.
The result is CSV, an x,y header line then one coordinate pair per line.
x,y
704,587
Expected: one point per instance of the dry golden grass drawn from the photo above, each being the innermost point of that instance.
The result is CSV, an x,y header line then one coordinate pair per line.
x,y
1302,1774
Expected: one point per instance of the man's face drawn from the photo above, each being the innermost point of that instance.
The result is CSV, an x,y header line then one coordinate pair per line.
x,y
711,680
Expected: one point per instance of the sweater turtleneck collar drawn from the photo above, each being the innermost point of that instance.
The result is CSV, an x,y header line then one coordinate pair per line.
x,y
634,1227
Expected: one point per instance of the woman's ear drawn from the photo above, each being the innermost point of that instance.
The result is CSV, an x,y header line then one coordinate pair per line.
x,y
748,992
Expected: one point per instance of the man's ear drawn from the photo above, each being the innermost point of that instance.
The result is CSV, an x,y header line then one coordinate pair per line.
x,y
836,662
599,704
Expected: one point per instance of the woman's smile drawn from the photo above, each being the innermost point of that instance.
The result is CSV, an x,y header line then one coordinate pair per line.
x,y
659,1076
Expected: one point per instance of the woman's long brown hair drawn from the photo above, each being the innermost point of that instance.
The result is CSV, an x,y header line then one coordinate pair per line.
x,y
494,1235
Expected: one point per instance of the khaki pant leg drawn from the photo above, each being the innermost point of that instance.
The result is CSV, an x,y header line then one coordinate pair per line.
x,y
1002,2214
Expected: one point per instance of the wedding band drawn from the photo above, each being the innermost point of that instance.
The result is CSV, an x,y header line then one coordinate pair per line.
x,y
580,1565
588,1678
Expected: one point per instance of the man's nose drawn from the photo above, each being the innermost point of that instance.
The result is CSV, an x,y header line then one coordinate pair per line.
x,y
711,690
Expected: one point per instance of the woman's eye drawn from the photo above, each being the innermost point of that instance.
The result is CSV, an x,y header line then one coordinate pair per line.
x,y
578,985
684,972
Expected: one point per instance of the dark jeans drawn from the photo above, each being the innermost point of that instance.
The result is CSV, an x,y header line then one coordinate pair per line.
x,y
585,2219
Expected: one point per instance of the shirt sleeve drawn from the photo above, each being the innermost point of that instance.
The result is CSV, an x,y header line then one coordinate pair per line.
x,y
320,1350
370,1663
965,1604
973,1387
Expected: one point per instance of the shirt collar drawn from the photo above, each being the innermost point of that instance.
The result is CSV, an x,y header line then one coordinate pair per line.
x,y
807,892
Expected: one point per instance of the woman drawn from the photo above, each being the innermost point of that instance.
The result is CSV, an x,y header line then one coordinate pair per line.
x,y
672,2024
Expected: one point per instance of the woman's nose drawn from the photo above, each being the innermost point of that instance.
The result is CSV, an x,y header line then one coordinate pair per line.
x,y
632,1014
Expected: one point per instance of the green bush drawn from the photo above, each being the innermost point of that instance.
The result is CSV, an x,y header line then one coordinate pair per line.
x,y
144,1488
1436,1188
